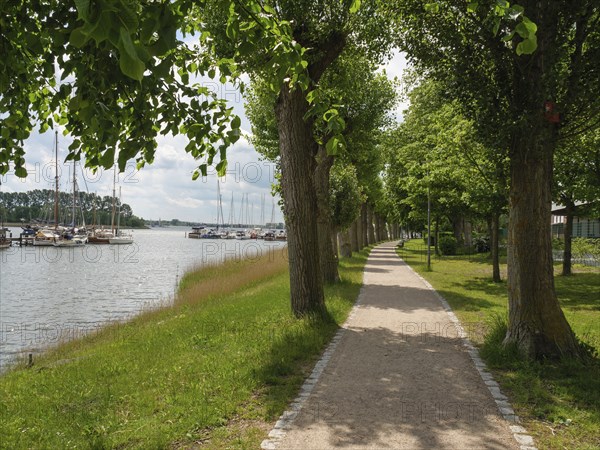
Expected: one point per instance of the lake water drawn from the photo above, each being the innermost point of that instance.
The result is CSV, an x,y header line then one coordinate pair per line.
x,y
50,294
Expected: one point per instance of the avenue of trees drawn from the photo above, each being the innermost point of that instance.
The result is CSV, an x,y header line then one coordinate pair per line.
x,y
504,92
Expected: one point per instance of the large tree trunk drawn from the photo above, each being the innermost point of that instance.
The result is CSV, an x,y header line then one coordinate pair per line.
x,y
458,228
370,226
495,246
327,254
377,227
298,150
536,322
468,229
345,246
568,235
364,220
354,246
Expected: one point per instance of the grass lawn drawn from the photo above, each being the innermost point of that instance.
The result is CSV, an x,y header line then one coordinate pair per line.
x,y
559,403
216,369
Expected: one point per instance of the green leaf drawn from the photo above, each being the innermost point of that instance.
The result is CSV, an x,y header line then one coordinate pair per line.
x,y
127,43
531,27
528,46
508,37
472,7
202,168
232,30
332,146
522,30
221,167
78,38
129,62
355,6
127,16
21,172
83,9
108,158
195,175
236,122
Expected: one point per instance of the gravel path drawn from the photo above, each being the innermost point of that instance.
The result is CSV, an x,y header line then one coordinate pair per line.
x,y
399,378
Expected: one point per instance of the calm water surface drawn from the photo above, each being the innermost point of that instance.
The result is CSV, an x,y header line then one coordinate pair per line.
x,y
49,294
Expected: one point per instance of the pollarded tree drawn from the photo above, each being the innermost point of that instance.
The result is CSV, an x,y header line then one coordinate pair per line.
x,y
345,201
363,99
321,30
520,90
425,157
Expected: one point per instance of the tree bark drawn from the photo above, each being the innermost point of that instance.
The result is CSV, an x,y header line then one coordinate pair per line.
x,y
568,236
298,150
327,254
495,246
468,230
377,227
458,229
364,219
370,226
536,322
345,246
354,246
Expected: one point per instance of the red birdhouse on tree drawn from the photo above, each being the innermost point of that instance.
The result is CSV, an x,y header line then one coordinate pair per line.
x,y
550,112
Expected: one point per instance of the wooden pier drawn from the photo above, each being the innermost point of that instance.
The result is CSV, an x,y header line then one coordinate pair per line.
x,y
22,240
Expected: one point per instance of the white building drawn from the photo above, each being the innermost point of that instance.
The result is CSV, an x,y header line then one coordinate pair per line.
x,y
585,227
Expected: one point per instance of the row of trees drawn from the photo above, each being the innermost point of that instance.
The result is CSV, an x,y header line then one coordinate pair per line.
x,y
37,206
506,67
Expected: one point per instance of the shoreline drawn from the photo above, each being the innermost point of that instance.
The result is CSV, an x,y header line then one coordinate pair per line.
x,y
19,225
217,366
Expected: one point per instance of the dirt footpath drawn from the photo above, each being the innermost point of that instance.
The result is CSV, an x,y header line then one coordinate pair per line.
x,y
399,378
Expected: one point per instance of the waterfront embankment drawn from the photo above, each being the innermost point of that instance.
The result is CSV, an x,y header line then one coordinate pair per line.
x,y
216,368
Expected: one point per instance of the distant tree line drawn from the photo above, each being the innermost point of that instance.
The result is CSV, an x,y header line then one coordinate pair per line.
x,y
37,206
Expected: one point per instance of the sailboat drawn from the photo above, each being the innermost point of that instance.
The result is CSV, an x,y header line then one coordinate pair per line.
x,y
48,236
5,242
118,238
73,236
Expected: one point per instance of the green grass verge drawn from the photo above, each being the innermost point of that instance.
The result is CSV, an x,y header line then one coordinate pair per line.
x,y
559,403
216,369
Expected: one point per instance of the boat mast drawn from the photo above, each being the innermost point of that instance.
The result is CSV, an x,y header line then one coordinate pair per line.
x,y
241,218
56,179
231,212
273,211
112,220
74,190
119,215
220,217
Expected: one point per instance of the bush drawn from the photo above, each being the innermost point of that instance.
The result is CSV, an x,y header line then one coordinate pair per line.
x,y
585,248
558,244
482,244
448,245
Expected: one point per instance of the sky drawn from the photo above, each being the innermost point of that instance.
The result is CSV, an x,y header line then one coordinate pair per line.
x,y
165,190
